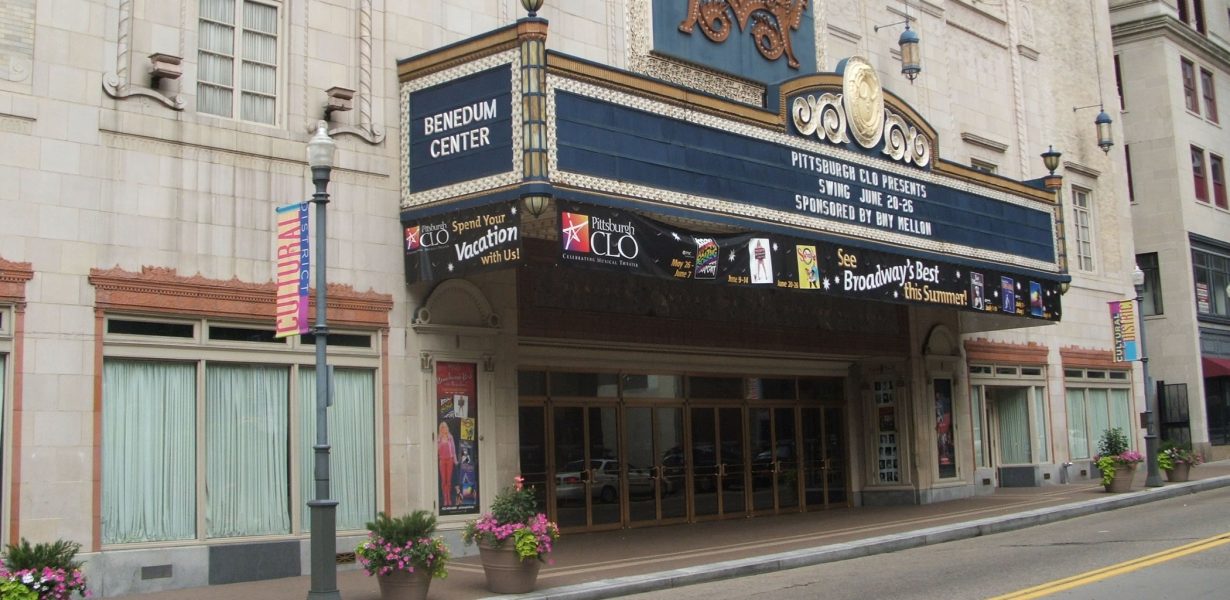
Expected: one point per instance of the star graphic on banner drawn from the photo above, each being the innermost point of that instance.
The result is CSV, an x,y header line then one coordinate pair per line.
x,y
571,230
996,294
513,210
732,256
1018,286
826,283
675,235
894,293
958,274
775,246
450,267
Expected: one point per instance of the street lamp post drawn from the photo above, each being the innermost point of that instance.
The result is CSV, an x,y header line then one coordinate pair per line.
x,y
323,510
1154,477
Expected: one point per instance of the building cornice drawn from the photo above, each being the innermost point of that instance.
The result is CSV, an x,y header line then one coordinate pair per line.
x,y
1090,358
163,291
986,351
1168,27
13,278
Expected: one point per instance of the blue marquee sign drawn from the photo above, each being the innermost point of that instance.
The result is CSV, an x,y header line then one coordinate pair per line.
x,y
461,130
604,140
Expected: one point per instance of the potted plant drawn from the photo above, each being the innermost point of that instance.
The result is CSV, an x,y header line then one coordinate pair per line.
x,y
403,555
1116,460
1177,461
513,540
42,571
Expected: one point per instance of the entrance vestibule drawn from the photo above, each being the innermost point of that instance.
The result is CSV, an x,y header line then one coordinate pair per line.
x,y
610,450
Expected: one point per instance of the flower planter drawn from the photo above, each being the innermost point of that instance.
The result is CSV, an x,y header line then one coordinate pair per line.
x,y
403,585
1179,472
1123,479
506,572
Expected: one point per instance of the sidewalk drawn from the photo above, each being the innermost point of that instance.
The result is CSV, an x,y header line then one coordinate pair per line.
x,y
615,563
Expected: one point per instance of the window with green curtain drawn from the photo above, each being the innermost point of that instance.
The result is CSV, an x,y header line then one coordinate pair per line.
x,y
1098,415
975,402
247,488
148,451
1078,436
1119,406
352,456
1013,408
1041,441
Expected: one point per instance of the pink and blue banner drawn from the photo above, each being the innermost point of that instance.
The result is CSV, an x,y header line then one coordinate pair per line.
x,y
1123,330
292,263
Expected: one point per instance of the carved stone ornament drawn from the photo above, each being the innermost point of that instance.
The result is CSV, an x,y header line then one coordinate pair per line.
x,y
771,20
864,101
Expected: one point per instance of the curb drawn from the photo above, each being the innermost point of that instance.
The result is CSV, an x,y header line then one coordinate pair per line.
x,y
636,584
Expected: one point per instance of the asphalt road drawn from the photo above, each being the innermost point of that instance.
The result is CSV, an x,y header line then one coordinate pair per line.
x,y
1069,554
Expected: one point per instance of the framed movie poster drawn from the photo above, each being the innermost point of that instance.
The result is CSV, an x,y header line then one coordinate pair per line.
x,y
946,453
457,437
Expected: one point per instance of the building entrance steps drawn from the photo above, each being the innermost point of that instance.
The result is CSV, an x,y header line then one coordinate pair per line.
x,y
614,563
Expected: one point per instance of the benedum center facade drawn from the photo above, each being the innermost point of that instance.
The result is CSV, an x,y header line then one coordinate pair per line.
x,y
671,261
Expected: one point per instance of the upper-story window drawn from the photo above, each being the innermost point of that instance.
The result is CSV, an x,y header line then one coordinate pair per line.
x,y
983,166
1210,96
238,60
1083,211
1212,274
1119,81
1218,175
1189,85
1191,12
1151,299
1127,159
1198,177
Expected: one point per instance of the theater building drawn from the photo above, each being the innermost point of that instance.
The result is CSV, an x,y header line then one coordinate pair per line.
x,y
671,261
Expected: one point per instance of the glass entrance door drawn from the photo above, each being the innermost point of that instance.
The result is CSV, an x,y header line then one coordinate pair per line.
x,y
824,457
774,459
587,474
718,472
655,483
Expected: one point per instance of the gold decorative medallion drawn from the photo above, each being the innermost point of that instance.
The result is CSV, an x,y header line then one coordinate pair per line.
x,y
864,101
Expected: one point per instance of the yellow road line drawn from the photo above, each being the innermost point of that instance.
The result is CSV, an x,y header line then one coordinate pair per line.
x,y
1122,568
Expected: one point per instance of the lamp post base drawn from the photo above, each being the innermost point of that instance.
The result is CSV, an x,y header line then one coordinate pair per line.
x,y
324,550
1154,476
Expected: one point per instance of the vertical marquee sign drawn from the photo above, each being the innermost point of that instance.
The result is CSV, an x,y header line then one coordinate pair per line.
x,y
457,437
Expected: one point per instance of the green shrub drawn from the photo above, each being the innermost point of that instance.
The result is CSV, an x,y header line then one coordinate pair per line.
x,y
1113,442
399,530
57,555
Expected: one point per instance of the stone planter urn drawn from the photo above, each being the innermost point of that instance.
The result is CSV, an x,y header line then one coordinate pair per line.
x,y
403,585
1179,472
1123,479
506,572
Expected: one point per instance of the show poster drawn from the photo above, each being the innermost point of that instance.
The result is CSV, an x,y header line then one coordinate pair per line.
x,y
946,454
462,242
611,239
457,437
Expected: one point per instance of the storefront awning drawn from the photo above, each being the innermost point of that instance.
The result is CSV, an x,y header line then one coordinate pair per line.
x,y
1214,366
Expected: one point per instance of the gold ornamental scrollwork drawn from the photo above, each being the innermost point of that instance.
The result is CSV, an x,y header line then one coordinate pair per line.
x,y
772,21
822,117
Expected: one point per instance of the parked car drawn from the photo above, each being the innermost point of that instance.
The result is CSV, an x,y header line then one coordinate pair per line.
x,y
570,480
